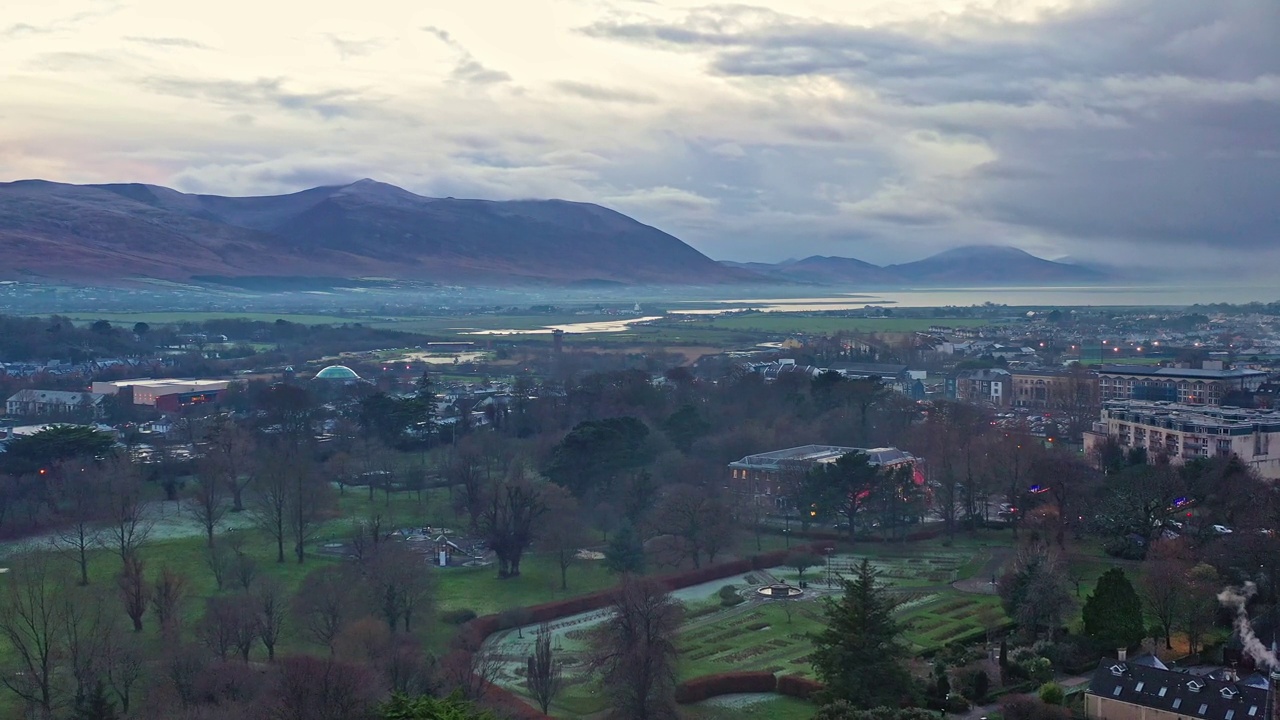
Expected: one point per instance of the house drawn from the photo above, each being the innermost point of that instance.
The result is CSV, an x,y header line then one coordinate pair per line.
x,y
990,385
1144,689
54,402
766,475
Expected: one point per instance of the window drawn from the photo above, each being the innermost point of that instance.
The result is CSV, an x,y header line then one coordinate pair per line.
x,y
1203,707
1253,710
1116,692
1138,687
1230,714
1177,703
1163,690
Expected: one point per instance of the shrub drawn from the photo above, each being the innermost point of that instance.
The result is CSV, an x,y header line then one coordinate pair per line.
x,y
979,686
729,596
798,687
709,686
1051,693
459,616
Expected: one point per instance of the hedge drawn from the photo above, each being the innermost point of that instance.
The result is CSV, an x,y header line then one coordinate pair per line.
x,y
709,686
511,705
798,687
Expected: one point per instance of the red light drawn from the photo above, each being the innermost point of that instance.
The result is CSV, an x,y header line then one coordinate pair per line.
x,y
43,471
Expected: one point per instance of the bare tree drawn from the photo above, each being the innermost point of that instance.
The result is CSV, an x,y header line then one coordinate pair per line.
x,y
218,559
323,603
230,454
269,505
31,620
182,666
307,502
508,519
322,689
270,599
134,591
123,662
543,678
400,584
635,650
208,503
698,519
168,594
470,666
565,534
80,511
128,526
229,623
244,569
84,635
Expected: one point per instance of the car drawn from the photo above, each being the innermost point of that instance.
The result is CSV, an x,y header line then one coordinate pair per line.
x,y
1221,529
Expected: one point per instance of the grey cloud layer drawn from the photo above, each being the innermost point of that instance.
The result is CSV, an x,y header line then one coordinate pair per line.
x,y
1130,120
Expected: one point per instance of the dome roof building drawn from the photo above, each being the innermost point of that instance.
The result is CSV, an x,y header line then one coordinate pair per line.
x,y
339,373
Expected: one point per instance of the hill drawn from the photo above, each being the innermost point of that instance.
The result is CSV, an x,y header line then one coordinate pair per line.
x,y
981,265
115,232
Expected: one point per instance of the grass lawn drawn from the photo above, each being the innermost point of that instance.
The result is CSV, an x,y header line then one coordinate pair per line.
x,y
731,707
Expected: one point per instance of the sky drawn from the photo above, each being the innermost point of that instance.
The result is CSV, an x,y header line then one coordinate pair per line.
x,y
1144,133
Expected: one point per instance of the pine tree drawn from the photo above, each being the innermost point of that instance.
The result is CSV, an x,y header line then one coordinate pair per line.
x,y
1113,613
625,552
96,705
860,655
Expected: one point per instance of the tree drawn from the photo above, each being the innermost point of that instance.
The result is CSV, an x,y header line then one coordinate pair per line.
x,y
128,525
96,705
230,623
1113,612
698,519
801,560
230,457
1051,693
208,501
1201,605
841,489
81,508
860,655
269,505
269,599
635,651
508,520
565,534
625,552
596,450
168,594
543,677
399,584
1034,591
311,688
1163,584
31,619
29,454
425,707
134,592
684,426
323,603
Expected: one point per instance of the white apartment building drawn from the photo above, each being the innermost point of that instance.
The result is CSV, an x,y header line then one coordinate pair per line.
x,y
1186,432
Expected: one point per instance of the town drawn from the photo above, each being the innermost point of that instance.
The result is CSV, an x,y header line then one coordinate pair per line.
x,y
1039,510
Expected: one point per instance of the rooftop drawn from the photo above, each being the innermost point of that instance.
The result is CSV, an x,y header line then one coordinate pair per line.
x,y
813,454
337,372
1178,372
1179,693
1167,413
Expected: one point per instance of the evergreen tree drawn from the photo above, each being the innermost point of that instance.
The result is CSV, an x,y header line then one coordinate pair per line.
x,y
96,705
860,655
1113,613
625,552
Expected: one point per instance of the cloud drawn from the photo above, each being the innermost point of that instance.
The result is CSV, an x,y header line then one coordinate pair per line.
x,y
600,93
263,92
467,70
167,42
355,48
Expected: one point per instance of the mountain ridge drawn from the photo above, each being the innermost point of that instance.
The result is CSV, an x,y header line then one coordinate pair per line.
x,y
367,228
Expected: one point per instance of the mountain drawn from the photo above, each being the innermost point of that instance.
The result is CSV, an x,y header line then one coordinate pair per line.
x,y
992,265
116,232
981,265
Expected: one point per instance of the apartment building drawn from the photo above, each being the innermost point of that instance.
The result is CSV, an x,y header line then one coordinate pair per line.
x,y
1181,385
1048,389
1183,432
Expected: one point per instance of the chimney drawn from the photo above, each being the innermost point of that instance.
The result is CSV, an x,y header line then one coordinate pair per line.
x,y
1122,654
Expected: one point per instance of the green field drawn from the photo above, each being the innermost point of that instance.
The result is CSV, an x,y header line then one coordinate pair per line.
x,y
803,323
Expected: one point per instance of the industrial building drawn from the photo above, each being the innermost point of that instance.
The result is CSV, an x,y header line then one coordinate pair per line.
x,y
167,395
1183,432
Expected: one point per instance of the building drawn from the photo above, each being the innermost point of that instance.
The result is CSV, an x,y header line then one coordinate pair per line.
x,y
146,392
1048,389
1144,689
337,374
1182,385
988,386
1186,432
766,474
54,402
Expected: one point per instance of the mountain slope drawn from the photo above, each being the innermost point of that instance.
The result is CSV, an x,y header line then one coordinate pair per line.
x,y
991,264
984,265
367,228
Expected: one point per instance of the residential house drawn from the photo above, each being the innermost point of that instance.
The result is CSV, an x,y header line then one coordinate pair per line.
x,y
54,402
1144,689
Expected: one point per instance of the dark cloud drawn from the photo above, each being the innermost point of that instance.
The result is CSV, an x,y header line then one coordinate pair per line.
x,y
268,92
167,42
604,94
1139,121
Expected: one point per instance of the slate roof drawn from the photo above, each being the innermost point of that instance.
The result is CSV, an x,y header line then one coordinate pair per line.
x,y
1180,693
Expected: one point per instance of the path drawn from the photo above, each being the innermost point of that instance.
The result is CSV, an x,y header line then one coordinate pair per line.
x,y
981,582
